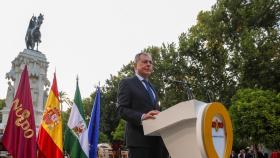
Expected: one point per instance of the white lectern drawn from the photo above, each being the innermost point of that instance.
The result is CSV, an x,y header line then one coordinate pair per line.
x,y
193,129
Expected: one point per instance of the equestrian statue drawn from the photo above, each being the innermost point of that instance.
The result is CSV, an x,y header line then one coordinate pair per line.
x,y
33,34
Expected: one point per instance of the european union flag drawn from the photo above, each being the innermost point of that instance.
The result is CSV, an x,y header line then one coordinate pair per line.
x,y
94,126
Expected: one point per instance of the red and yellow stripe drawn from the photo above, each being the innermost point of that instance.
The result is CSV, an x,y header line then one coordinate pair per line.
x,y
50,143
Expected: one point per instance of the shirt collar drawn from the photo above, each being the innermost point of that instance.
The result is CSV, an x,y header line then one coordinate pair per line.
x,y
139,77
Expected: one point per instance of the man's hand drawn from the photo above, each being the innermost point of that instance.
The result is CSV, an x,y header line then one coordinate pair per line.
x,y
150,115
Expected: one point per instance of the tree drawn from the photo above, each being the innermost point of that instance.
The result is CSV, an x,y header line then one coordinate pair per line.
x,y
234,45
118,134
65,116
63,98
2,103
250,34
103,138
108,104
109,115
255,116
88,103
167,67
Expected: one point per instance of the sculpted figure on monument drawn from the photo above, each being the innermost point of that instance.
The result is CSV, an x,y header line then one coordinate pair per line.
x,y
33,34
11,75
10,95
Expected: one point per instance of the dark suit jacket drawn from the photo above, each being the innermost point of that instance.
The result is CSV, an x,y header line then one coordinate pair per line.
x,y
133,101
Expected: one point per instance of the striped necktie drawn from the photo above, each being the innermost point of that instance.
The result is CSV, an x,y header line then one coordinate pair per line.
x,y
149,90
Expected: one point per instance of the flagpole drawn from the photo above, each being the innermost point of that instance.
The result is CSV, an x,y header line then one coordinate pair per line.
x,y
61,107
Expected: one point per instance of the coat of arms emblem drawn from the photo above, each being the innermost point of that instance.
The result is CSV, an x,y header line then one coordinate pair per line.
x,y
79,128
52,117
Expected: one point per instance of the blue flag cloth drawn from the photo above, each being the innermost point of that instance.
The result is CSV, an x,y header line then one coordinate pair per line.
x,y
94,126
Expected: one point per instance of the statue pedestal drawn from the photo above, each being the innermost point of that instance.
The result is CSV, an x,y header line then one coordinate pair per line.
x,y
37,65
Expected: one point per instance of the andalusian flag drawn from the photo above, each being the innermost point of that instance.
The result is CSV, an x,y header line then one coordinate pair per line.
x,y
76,132
19,137
50,132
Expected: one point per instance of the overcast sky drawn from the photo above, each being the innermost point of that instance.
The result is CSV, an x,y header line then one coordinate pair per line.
x,y
92,38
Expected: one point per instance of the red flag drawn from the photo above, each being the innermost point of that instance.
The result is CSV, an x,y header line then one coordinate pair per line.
x,y
20,134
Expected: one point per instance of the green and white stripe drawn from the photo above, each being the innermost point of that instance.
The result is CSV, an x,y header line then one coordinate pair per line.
x,y
76,132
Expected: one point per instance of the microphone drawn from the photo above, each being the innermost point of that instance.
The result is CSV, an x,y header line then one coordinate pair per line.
x,y
210,96
185,84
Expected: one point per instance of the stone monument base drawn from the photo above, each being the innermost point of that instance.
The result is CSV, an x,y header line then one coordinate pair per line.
x,y
37,65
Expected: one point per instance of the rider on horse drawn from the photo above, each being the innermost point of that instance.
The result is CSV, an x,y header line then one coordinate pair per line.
x,y
33,34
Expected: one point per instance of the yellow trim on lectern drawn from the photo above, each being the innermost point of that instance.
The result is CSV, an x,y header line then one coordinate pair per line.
x,y
216,109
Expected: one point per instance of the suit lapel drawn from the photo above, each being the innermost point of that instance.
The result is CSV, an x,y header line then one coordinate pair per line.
x,y
141,87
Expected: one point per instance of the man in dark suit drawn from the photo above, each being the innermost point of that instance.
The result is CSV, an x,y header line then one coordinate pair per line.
x,y
137,101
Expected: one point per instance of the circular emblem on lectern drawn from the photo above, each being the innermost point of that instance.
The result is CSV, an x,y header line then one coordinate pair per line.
x,y
217,131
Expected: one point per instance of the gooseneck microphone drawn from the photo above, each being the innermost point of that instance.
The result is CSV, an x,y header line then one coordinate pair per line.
x,y
185,84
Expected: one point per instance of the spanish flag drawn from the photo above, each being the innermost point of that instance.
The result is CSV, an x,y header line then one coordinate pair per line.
x,y
50,131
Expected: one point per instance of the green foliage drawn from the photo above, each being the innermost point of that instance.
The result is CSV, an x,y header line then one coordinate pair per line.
x,y
118,134
2,103
88,103
103,138
108,100
64,99
233,46
255,116
65,116
109,116
252,37
167,65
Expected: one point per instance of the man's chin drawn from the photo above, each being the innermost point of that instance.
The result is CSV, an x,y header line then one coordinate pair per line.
x,y
147,75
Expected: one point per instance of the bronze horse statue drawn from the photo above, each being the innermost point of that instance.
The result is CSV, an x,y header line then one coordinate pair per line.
x,y
33,34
